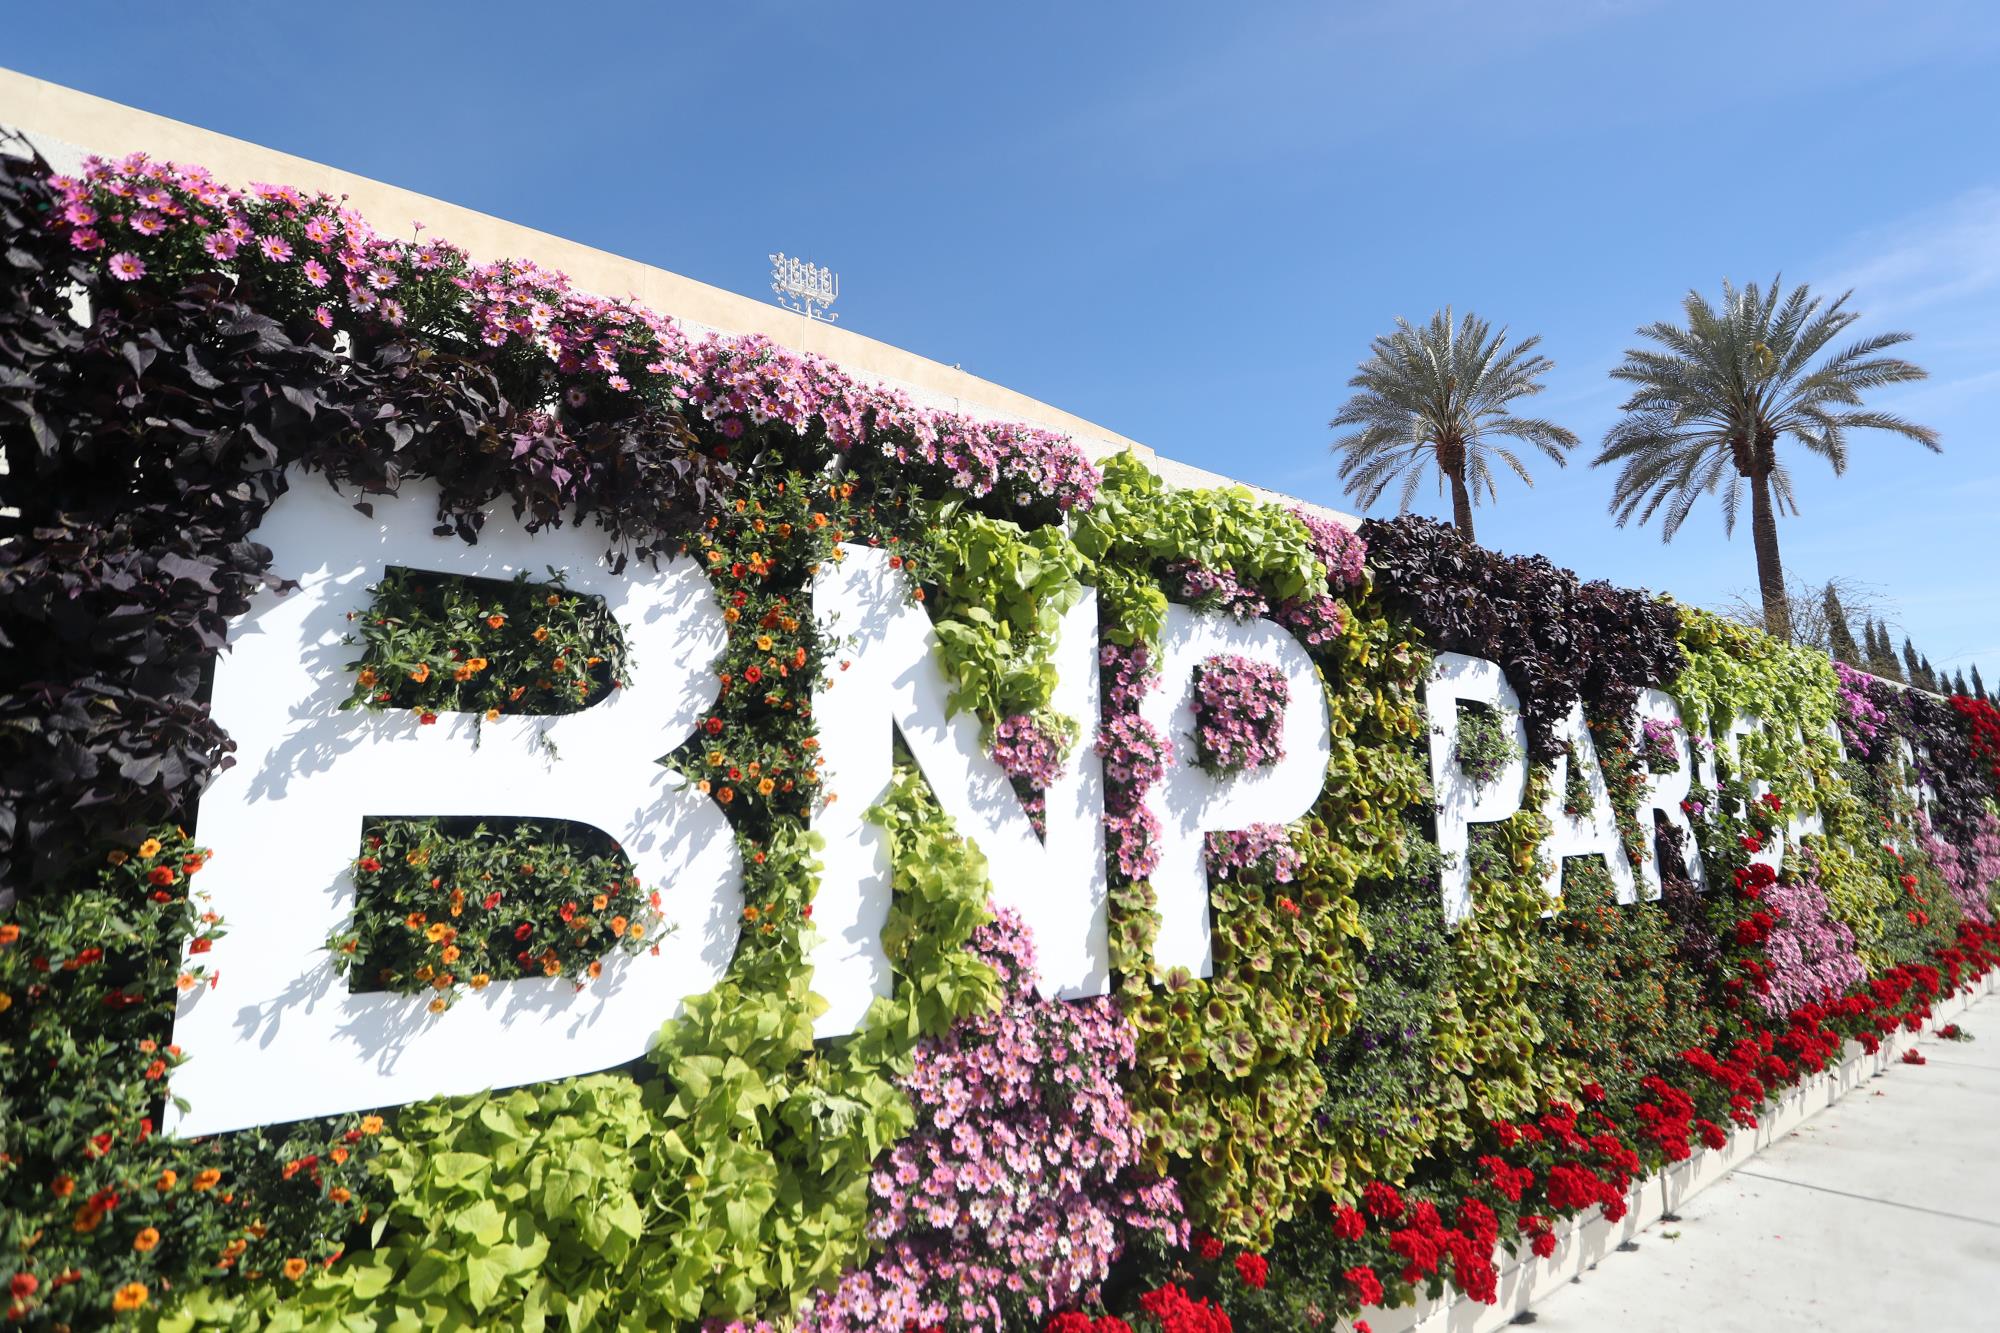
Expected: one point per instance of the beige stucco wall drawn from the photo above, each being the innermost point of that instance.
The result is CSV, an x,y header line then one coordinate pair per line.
x,y
66,124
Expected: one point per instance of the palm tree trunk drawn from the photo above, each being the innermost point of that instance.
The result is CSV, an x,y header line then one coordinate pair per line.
x,y
1770,569
1461,506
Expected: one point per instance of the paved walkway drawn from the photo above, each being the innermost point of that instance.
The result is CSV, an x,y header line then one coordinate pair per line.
x,y
1883,1212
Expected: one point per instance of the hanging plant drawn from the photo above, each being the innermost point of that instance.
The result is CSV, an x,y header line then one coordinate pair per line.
x,y
1484,745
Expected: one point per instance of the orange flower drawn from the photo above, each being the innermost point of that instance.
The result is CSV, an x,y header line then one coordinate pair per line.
x,y
766,787
422,673
129,1297
550,966
436,932
553,599
598,903
62,1187
339,1195
366,676
442,981
117,858
617,925
475,664
596,969
371,1124
185,981
149,848
207,1179
415,920
146,1240
495,622
295,1269
541,634
88,1217
492,715
168,1179
438,1005
763,643
450,954
726,795
479,981
9,933
636,931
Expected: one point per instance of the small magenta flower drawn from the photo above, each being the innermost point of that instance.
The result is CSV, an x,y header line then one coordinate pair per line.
x,y
276,248
127,267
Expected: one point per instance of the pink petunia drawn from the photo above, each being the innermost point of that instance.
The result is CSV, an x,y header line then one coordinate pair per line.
x,y
276,248
127,267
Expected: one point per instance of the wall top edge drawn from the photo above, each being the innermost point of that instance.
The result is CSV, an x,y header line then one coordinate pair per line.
x,y
65,124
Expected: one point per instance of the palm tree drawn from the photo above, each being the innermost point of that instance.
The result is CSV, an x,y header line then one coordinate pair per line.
x,y
1715,397
1439,395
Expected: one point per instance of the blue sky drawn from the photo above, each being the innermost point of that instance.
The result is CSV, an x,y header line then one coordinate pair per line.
x,y
1186,222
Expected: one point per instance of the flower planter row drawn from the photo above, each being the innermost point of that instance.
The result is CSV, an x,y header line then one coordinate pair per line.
x,y
1584,1241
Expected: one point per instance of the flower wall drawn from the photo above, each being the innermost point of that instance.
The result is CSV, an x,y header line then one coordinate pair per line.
x,y
1355,1104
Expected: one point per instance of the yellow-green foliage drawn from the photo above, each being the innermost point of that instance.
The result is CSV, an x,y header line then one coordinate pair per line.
x,y
1228,1080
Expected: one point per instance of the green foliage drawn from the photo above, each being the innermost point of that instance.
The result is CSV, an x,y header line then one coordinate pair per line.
x,y
444,643
444,905
997,603
1615,1003
1139,523
95,1203
1484,745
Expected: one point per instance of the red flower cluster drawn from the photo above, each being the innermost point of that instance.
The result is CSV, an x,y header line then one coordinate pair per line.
x,y
1076,1321
1178,1313
1252,1269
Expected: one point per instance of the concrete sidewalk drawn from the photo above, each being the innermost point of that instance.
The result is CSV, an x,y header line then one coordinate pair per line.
x,y
1882,1212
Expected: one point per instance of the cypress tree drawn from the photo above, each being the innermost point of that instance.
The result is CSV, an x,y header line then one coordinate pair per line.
x,y
1958,682
1882,658
1839,638
1928,675
1915,674
1978,685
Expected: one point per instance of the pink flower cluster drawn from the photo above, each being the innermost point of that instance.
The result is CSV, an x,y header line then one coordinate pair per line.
x,y
314,249
1258,852
1339,548
1971,872
1318,620
1215,590
1811,955
1239,709
1027,751
1021,1181
1860,717
1135,757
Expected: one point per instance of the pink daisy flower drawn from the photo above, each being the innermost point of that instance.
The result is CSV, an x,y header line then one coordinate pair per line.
x,y
80,215
220,245
316,273
319,229
127,267
324,316
149,224
381,279
276,248
86,239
